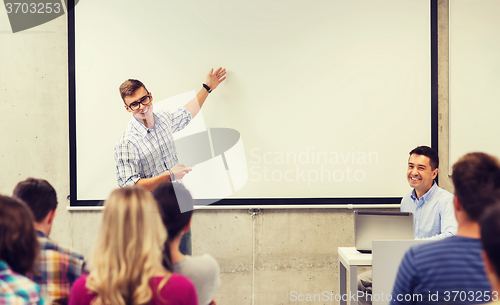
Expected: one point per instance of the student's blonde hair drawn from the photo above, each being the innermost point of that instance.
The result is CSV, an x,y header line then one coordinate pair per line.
x,y
128,251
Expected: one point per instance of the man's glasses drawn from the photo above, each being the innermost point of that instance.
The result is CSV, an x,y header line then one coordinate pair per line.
x,y
145,100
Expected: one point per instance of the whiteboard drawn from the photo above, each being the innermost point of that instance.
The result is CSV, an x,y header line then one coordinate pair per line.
x,y
328,96
474,77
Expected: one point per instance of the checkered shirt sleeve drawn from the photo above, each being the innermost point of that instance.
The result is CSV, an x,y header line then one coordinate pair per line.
x,y
16,289
56,268
128,165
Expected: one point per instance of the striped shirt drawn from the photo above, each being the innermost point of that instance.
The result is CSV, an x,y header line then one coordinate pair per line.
x,y
56,268
436,271
433,213
16,289
145,153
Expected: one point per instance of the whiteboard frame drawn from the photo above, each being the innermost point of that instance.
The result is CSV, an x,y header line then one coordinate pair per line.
x,y
295,202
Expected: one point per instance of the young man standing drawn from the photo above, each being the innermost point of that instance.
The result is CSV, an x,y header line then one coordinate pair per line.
x,y
57,266
145,155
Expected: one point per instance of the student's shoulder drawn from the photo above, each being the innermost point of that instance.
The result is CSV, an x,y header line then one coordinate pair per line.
x,y
47,245
175,282
16,288
80,294
13,282
203,262
440,248
416,257
205,258
177,290
179,278
80,282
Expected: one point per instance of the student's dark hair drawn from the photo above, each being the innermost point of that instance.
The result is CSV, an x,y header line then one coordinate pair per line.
x,y
168,198
490,231
428,152
476,177
18,240
39,195
128,87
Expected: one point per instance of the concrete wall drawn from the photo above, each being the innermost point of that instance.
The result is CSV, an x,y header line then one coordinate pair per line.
x,y
265,257
443,95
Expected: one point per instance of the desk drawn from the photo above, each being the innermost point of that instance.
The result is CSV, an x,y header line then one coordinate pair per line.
x,y
349,260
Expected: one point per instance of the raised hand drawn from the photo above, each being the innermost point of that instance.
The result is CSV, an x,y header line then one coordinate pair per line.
x,y
214,78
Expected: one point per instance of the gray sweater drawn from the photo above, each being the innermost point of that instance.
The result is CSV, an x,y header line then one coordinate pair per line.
x,y
203,271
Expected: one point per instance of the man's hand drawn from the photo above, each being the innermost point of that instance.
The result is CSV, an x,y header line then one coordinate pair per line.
x,y
215,78
179,171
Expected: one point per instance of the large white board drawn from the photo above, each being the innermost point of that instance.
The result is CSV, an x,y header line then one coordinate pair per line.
x,y
328,96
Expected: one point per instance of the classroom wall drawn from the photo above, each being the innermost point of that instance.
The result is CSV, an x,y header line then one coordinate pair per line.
x,y
266,255
443,96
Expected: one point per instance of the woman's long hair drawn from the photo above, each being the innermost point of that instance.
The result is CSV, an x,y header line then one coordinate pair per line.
x,y
129,248
169,198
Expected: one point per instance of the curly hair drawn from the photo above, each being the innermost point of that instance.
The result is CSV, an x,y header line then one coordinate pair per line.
x,y
129,248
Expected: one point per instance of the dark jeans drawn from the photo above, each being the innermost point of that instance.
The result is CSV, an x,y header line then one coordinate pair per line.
x,y
185,246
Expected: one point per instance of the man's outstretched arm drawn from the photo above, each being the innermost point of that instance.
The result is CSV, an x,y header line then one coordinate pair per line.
x,y
214,78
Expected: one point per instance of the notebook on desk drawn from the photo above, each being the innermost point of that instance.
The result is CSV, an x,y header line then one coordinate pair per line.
x,y
369,226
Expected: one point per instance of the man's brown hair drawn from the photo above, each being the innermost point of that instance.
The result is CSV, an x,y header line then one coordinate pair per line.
x,y
476,177
429,153
128,87
18,241
39,195
490,230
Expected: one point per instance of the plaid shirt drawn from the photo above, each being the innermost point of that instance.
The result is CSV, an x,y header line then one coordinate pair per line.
x,y
17,289
145,153
56,268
